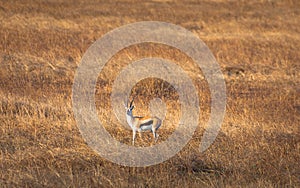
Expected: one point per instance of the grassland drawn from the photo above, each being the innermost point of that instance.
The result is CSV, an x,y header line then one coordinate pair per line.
x,y
255,42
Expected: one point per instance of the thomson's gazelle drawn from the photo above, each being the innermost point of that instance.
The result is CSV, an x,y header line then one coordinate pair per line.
x,y
141,123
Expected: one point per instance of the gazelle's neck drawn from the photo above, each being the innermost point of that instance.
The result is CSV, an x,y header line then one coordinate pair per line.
x,y
129,118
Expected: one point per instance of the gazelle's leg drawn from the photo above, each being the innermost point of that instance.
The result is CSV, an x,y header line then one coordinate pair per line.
x,y
154,134
141,135
133,136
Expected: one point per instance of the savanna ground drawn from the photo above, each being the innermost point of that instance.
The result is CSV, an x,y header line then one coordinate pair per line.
x,y
255,42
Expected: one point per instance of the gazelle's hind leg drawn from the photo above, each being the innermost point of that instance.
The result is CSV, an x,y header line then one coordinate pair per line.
x,y
155,135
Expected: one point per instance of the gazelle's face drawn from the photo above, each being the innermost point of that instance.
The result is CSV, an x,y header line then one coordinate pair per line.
x,y
129,110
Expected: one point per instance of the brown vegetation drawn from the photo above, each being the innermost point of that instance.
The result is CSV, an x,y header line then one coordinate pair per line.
x,y
256,43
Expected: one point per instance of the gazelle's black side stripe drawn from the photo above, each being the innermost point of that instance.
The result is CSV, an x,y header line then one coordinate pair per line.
x,y
147,123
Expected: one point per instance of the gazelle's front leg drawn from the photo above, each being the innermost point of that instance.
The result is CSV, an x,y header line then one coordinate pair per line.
x,y
133,136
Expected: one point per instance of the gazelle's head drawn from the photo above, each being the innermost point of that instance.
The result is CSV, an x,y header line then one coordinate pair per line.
x,y
129,108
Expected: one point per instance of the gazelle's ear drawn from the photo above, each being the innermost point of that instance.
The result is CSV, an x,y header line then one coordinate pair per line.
x,y
132,107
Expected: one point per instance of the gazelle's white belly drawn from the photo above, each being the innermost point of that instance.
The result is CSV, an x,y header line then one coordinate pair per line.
x,y
145,127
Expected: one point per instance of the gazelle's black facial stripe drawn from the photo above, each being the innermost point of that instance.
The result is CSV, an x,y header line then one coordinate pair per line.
x,y
131,104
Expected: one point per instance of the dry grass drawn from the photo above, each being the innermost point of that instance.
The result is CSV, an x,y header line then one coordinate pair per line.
x,y
256,43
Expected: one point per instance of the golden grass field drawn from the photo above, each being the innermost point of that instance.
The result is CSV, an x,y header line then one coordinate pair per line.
x,y
255,42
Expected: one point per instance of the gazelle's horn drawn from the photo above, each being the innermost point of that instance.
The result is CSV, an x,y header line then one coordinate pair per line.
x,y
132,101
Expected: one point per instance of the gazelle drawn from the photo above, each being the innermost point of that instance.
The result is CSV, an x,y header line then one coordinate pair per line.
x,y
140,124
